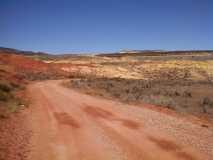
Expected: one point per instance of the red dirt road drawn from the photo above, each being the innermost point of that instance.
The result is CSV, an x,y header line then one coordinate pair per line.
x,y
72,126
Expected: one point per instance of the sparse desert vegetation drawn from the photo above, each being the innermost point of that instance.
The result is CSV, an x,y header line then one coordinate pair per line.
x,y
184,84
10,101
182,81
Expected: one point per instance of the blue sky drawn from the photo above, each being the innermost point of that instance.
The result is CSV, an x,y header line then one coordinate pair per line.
x,y
64,26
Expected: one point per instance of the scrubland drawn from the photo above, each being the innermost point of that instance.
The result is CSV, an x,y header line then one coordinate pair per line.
x,y
181,83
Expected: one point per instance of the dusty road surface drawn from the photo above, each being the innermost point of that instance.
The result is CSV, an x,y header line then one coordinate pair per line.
x,y
72,126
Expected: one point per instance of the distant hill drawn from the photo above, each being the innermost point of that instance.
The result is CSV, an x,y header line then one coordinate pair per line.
x,y
140,51
43,55
155,53
37,55
16,51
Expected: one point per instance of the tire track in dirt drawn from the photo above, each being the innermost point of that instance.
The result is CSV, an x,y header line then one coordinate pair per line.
x,y
129,147
81,144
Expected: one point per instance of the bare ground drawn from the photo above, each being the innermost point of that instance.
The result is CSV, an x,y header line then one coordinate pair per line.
x,y
15,136
72,125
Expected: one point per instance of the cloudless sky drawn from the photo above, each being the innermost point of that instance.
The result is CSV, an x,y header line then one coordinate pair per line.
x,y
65,26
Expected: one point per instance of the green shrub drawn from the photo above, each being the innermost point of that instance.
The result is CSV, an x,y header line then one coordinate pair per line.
x,y
206,103
5,87
15,85
4,96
